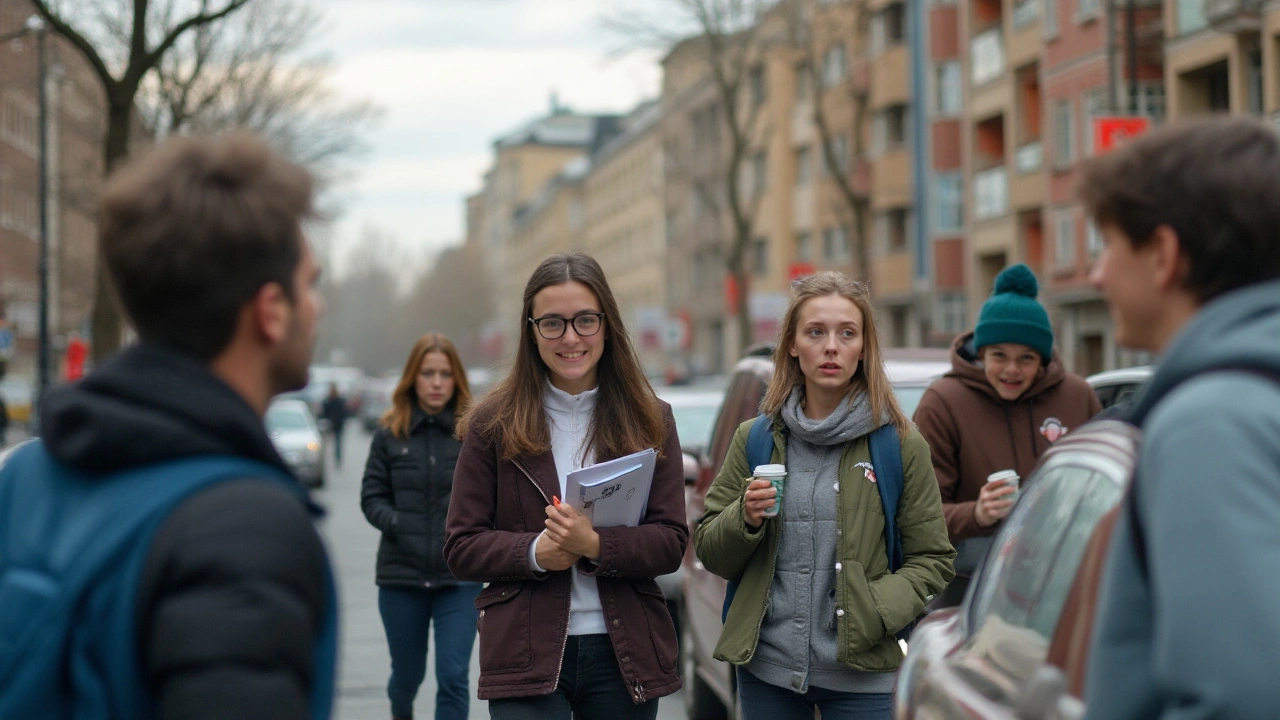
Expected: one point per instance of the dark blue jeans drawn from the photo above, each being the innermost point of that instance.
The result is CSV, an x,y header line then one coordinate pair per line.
x,y
407,614
591,688
762,701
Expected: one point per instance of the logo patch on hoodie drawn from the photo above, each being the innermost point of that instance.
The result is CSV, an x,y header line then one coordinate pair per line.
x,y
867,471
1052,429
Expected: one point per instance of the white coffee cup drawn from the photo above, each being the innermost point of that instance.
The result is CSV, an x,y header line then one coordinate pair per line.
x,y
1010,477
777,475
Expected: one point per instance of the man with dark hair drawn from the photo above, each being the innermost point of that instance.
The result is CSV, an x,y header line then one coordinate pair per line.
x,y
1190,218
218,601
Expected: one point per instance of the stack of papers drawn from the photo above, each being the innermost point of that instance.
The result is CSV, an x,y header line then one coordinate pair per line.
x,y
613,493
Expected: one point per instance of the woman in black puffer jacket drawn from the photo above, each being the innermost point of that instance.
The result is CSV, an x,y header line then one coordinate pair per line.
x,y
407,484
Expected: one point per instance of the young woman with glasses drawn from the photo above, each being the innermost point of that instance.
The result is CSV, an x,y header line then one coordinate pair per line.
x,y
572,622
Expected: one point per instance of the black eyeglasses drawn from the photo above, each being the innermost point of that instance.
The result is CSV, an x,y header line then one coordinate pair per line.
x,y
552,327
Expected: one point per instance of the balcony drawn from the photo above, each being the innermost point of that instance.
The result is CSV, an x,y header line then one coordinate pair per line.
x,y
1029,158
1234,17
990,193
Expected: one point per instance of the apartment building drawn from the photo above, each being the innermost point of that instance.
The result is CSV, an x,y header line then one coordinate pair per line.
x,y
625,229
1037,74
76,126
1222,55
517,199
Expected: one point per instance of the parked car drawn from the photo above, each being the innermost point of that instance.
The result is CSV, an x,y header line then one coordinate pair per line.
x,y
297,437
1118,386
710,687
987,658
695,408
375,399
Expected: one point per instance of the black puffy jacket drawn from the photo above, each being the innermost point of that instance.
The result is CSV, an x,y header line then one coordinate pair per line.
x,y
407,485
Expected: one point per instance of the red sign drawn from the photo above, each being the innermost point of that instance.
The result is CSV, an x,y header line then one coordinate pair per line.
x,y
731,295
800,270
1109,132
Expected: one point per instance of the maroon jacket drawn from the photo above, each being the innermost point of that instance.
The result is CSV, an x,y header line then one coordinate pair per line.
x,y
498,508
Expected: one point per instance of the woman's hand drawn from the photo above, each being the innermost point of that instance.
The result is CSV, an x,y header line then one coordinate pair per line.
x,y
572,531
551,556
994,503
758,498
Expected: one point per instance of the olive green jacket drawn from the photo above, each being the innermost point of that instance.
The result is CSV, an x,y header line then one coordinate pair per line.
x,y
875,603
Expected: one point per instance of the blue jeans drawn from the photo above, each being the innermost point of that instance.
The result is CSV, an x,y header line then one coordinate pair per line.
x,y
762,701
590,688
407,614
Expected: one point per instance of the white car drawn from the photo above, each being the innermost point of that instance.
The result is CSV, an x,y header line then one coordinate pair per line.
x,y
294,432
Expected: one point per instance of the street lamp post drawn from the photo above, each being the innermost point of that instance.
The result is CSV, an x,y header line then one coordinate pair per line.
x,y
35,25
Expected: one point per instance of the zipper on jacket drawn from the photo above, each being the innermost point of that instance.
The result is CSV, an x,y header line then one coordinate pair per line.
x,y
639,690
555,680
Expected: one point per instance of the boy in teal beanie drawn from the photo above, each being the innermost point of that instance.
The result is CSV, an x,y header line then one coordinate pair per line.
x,y
1005,401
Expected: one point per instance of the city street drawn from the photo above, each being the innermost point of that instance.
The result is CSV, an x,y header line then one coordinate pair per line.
x,y
353,544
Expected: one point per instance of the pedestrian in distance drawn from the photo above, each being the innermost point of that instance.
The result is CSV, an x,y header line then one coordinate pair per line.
x,y
408,480
817,605
334,411
1005,401
159,558
572,622
1190,266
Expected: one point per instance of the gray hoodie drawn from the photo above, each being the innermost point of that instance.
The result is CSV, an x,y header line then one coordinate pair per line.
x,y
1194,631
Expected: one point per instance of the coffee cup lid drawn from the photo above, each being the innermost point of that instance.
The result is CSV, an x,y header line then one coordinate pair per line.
x,y
1002,475
763,470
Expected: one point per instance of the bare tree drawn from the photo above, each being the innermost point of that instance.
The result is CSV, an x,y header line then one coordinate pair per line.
x,y
253,71
820,34
88,25
725,34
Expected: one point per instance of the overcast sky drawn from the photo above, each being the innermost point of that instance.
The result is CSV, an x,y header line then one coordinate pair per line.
x,y
451,76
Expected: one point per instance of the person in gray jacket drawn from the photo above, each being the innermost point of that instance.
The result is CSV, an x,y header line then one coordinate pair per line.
x,y
1187,622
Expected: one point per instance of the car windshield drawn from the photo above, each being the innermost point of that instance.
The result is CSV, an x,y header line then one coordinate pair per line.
x,y
286,418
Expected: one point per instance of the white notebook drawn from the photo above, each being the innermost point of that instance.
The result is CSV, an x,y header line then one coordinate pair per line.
x,y
615,492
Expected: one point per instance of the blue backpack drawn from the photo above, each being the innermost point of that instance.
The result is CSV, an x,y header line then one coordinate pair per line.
x,y
886,458
72,549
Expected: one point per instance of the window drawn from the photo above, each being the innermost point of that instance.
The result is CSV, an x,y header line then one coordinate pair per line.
x,y
760,257
1030,571
948,193
755,78
990,193
802,83
804,247
20,122
1095,104
888,28
949,309
1064,238
1064,129
890,129
891,230
759,172
1087,9
1092,238
804,165
948,100
840,149
1190,16
986,55
1049,18
1150,100
834,66
835,246
1025,12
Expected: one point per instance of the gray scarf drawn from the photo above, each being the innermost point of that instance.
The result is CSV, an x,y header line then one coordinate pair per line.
x,y
850,420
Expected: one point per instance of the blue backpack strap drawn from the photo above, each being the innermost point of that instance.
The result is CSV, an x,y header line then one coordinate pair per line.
x,y
80,546
759,452
886,458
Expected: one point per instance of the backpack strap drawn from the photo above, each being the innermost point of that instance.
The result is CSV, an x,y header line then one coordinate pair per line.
x,y
759,452
886,458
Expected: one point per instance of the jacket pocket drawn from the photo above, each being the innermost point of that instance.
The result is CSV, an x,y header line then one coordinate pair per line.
x,y
858,621
505,627
662,628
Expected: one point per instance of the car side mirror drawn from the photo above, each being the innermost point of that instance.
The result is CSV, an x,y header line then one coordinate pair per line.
x,y
1045,697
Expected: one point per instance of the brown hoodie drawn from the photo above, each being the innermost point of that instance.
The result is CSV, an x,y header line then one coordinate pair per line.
x,y
973,432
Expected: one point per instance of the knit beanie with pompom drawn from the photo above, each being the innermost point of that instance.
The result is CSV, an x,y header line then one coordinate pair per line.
x,y
1012,314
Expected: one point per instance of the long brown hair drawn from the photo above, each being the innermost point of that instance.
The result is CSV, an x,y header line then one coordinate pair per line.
x,y
405,397
871,375
627,416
